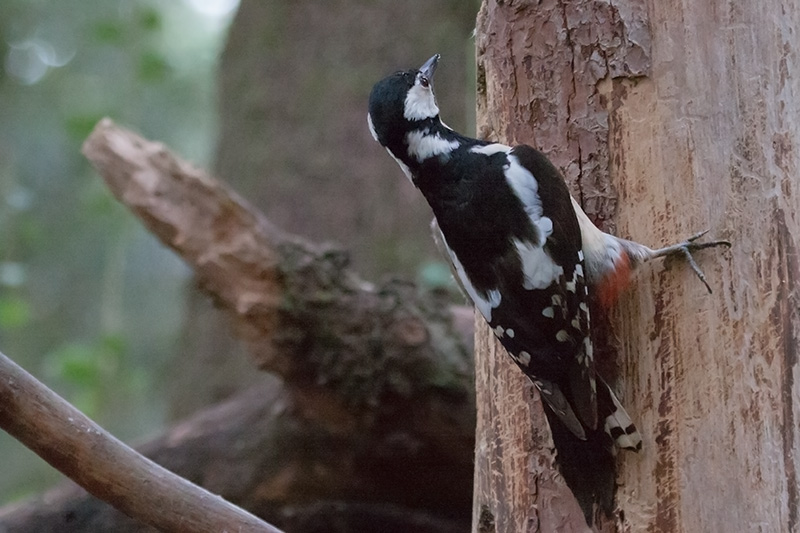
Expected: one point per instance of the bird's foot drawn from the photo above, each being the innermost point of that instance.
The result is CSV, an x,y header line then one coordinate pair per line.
x,y
685,249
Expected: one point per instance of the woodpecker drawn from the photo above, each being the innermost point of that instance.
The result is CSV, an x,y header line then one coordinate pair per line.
x,y
521,248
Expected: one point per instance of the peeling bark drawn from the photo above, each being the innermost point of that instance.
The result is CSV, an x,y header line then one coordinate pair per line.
x,y
697,131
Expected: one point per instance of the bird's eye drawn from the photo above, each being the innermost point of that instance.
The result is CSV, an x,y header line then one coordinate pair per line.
x,y
424,81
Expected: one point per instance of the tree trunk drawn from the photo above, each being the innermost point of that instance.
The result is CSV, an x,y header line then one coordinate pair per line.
x,y
701,133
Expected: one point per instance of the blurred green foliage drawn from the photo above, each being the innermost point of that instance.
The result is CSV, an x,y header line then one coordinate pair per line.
x,y
89,302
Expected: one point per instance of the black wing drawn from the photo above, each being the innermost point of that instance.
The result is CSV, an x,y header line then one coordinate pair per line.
x,y
545,328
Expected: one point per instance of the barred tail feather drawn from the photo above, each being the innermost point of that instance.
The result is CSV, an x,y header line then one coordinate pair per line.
x,y
588,466
617,422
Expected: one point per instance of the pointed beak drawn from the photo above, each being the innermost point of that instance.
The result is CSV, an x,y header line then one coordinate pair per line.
x,y
429,68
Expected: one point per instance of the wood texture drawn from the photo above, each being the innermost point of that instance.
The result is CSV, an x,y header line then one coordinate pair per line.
x,y
667,118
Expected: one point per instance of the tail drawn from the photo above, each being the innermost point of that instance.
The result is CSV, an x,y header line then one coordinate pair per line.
x,y
617,423
588,466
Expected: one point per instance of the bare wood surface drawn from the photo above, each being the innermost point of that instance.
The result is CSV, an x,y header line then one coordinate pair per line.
x,y
539,68
106,467
700,133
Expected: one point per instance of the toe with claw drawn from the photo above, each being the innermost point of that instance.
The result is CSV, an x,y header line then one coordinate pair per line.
x,y
685,249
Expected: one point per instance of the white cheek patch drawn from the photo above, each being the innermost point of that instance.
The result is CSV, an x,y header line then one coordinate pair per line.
x,y
420,103
423,145
538,268
372,127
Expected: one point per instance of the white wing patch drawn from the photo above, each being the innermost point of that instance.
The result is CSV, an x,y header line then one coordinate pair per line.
x,y
526,188
422,144
538,268
490,149
420,103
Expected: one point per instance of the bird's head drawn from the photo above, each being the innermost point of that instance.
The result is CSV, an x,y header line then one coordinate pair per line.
x,y
400,102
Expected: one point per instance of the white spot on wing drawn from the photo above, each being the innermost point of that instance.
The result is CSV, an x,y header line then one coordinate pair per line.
x,y
524,358
545,226
422,145
549,312
538,268
490,149
499,332
371,127
562,336
510,333
588,348
420,103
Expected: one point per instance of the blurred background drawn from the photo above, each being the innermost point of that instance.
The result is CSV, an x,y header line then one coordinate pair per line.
x,y
268,95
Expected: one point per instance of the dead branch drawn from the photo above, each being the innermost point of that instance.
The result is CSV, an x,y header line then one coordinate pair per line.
x,y
295,304
107,468
377,397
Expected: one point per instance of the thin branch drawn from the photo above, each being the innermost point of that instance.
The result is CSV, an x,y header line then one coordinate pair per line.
x,y
107,468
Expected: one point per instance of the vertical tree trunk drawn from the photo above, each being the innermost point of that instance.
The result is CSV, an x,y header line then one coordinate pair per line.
x,y
702,132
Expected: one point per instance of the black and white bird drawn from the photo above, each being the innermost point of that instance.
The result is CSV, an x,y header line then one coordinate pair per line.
x,y
521,248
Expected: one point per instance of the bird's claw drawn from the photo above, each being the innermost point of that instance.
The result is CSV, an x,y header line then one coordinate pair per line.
x,y
690,245
694,246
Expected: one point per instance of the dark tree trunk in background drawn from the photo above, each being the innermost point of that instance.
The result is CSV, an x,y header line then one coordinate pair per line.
x,y
294,81
699,130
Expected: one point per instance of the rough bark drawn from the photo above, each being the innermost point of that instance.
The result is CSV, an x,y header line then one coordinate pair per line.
x,y
702,132
104,466
377,383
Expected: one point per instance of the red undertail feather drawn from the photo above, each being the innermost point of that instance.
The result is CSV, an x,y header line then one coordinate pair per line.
x,y
614,282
